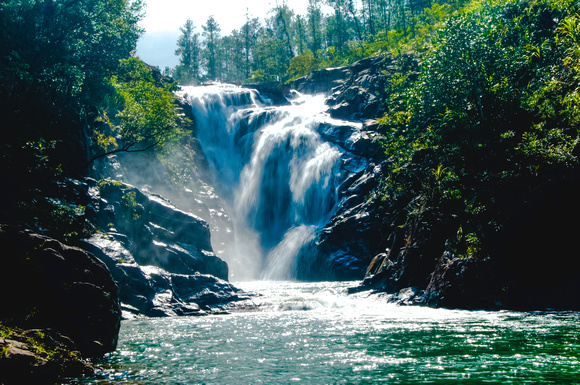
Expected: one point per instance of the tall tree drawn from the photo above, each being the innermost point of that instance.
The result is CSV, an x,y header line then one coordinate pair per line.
x,y
337,26
368,7
187,72
249,37
314,18
283,21
211,33
300,34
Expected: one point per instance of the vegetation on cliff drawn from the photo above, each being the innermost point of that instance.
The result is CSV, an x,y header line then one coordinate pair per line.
x,y
71,93
480,146
484,144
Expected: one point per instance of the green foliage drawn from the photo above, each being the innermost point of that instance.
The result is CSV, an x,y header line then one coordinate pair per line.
x,y
302,65
278,47
495,106
129,202
41,344
63,52
145,114
260,76
188,50
57,59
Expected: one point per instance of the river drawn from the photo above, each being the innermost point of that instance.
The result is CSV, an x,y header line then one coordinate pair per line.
x,y
313,333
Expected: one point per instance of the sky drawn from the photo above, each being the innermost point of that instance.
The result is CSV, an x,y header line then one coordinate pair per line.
x,y
164,17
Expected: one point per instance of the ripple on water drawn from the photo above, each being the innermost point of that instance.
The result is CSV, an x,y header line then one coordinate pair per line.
x,y
345,339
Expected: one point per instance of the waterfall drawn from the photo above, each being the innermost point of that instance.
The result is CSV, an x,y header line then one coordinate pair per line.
x,y
278,177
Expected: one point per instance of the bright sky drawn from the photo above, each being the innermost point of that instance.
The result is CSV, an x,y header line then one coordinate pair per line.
x,y
164,17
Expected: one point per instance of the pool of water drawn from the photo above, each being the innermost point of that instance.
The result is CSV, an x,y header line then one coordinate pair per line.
x,y
314,333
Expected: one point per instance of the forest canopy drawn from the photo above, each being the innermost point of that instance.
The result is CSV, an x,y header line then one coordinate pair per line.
x,y
288,45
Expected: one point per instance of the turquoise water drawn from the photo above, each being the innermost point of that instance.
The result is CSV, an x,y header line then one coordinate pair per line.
x,y
312,333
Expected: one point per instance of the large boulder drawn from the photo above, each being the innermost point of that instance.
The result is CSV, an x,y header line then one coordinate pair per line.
x,y
152,291
154,231
51,285
160,257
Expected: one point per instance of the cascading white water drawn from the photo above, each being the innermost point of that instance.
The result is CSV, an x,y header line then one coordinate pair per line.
x,y
278,177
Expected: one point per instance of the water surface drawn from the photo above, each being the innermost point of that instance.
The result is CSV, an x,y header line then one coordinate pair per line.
x,y
312,333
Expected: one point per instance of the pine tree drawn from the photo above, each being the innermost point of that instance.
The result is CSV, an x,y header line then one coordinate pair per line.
x,y
211,33
314,17
188,51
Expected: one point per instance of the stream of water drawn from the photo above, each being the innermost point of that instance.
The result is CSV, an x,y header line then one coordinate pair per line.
x,y
313,333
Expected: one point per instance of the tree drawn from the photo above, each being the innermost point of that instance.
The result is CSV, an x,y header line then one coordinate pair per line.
x,y
283,21
337,28
302,65
188,51
56,62
249,36
300,34
142,113
61,53
211,33
314,18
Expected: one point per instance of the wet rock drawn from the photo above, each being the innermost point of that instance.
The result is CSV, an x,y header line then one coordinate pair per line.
x,y
321,81
151,291
156,232
345,246
39,356
356,232
56,286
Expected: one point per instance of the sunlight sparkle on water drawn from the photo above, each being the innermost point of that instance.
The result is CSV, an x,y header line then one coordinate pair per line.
x,y
313,333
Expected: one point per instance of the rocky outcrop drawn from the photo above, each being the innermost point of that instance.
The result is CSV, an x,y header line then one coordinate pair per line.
x,y
321,81
153,231
154,292
341,251
358,98
51,285
38,356
466,283
345,246
160,257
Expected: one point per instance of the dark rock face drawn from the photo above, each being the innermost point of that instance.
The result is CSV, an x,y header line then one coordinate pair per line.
x,y
160,257
154,292
343,249
321,81
356,98
155,232
346,245
464,283
517,272
412,251
51,285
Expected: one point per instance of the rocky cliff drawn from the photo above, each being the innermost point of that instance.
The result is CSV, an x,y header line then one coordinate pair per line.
x,y
347,244
161,257
415,259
